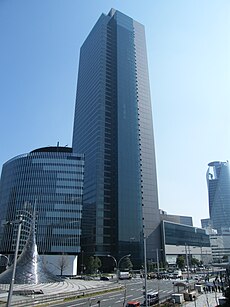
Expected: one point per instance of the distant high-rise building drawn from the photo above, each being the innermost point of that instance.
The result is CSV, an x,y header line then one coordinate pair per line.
x,y
218,180
51,177
113,128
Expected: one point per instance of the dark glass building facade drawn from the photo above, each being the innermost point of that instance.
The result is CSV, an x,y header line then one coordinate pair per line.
x,y
51,178
178,239
177,234
113,128
218,181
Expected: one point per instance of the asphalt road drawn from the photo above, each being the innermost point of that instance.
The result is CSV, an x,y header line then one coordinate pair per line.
x,y
133,291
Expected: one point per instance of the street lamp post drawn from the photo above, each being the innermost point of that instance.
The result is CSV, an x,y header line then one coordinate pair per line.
x,y
115,260
82,262
145,268
118,263
9,298
201,255
158,266
158,272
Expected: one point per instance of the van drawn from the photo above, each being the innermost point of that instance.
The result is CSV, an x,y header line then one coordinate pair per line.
x,y
152,298
177,274
124,275
133,304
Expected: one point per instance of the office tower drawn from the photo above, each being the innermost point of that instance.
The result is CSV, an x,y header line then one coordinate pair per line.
x,y
113,128
51,177
218,181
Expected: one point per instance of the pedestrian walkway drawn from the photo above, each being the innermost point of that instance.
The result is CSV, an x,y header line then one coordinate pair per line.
x,y
205,300
54,291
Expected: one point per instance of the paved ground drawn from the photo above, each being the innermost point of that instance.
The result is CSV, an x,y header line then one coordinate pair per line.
x,y
77,287
69,287
205,300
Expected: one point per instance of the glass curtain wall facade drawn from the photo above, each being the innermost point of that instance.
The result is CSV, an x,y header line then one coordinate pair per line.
x,y
177,234
51,177
218,181
113,128
178,239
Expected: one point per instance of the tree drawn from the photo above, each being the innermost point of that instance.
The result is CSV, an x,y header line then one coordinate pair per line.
x,y
195,261
97,263
126,264
180,262
151,266
94,263
63,263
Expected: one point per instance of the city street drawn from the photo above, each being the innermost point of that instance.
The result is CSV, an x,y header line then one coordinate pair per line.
x,y
63,293
133,291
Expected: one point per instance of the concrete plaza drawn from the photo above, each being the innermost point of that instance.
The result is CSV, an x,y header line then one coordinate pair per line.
x,y
205,300
53,291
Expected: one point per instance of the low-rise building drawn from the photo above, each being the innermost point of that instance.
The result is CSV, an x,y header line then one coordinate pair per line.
x,y
179,239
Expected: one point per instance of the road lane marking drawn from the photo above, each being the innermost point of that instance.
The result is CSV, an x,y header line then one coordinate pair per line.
x,y
114,295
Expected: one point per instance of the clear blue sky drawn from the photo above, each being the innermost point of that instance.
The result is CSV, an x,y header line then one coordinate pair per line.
x,y
188,46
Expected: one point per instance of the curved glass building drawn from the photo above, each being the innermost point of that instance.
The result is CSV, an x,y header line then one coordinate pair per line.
x,y
218,181
51,177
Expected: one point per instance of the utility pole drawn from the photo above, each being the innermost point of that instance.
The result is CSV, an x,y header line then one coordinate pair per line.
x,y
158,277
82,262
14,263
158,267
187,263
145,269
117,264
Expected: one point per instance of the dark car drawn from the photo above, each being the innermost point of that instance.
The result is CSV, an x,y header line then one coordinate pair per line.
x,y
104,278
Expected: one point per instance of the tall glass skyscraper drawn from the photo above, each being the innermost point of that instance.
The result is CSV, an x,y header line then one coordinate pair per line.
x,y
218,180
113,128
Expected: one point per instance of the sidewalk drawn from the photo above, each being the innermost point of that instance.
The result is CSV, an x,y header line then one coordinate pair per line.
x,y
205,300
